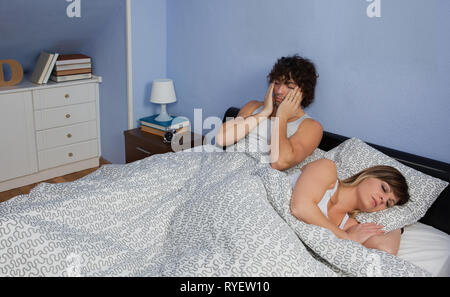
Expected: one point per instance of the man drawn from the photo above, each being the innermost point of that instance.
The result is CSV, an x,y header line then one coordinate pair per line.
x,y
294,135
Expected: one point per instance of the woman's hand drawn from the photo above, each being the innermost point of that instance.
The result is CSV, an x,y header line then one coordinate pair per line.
x,y
268,102
362,232
291,104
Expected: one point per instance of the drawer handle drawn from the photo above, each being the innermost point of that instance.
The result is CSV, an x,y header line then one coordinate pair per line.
x,y
70,155
69,135
67,96
67,115
144,151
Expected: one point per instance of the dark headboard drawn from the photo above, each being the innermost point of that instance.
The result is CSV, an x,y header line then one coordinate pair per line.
x,y
438,214
429,166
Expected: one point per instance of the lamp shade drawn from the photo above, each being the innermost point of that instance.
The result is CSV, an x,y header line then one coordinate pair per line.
x,y
163,91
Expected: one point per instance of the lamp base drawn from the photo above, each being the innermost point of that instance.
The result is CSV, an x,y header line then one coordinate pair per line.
x,y
163,116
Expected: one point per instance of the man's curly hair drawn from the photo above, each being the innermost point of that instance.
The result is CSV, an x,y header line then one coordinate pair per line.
x,y
301,70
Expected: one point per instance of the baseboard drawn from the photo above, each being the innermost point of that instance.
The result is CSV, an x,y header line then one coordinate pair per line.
x,y
50,173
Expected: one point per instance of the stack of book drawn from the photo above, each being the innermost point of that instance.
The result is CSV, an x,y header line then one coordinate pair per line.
x,y
178,124
43,68
72,67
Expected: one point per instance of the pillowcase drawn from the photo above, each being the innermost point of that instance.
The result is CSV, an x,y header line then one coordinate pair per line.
x,y
427,248
354,155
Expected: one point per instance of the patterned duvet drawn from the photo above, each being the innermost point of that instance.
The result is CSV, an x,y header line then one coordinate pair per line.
x,y
177,214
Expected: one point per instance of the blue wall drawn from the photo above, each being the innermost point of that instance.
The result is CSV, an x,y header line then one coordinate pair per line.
x,y
384,80
108,47
29,27
149,48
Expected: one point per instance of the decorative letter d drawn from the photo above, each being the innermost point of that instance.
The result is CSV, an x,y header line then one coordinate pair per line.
x,y
16,73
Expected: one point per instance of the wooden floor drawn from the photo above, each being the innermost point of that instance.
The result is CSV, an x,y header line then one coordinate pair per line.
x,y
60,179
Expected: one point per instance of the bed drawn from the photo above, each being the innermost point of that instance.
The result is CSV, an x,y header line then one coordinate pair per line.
x,y
182,214
427,242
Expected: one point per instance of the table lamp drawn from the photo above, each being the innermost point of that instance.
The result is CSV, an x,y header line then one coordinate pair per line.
x,y
163,92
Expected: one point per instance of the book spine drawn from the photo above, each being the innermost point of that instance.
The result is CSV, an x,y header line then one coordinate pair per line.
x,y
52,65
44,71
165,129
73,66
70,77
40,66
71,72
174,127
73,61
159,132
152,131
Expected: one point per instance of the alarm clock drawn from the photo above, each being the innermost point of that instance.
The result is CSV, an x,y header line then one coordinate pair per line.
x,y
168,136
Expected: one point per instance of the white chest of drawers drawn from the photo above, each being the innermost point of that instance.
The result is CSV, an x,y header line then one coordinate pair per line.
x,y
48,131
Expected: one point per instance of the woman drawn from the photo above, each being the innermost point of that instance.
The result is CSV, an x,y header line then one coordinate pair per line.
x,y
321,199
293,135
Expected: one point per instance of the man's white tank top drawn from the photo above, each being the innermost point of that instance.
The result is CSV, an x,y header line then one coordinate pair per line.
x,y
259,138
323,204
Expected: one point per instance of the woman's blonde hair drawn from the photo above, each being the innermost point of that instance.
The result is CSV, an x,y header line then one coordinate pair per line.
x,y
388,174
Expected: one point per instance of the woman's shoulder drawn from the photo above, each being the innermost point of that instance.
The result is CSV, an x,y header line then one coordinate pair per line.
x,y
323,169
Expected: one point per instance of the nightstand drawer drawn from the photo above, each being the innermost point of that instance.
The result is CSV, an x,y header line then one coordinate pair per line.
x,y
67,115
67,154
61,96
139,144
66,135
137,151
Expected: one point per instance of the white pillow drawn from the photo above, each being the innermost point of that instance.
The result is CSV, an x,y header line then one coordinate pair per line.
x,y
353,155
426,247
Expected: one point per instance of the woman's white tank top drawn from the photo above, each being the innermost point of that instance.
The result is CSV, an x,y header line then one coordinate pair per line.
x,y
323,204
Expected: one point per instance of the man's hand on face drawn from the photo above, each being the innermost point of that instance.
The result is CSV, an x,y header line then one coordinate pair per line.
x,y
268,101
291,104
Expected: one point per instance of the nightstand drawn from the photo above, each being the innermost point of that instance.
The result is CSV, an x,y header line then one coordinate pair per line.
x,y
139,144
